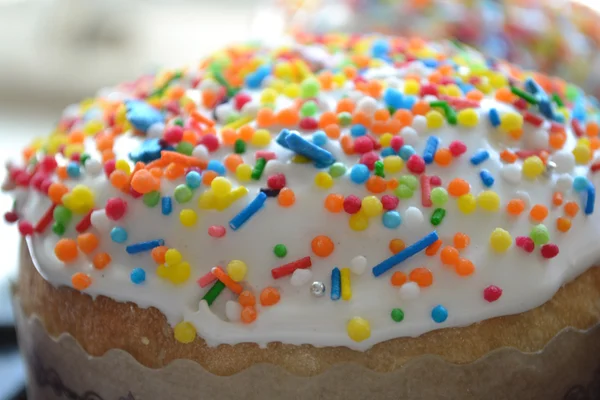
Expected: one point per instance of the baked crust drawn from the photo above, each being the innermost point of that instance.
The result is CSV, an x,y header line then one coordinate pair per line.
x,y
102,324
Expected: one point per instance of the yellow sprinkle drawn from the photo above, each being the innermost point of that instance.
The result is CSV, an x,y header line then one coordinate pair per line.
x,y
466,203
323,180
386,139
500,240
236,270
92,127
243,172
207,200
358,329
468,117
453,90
489,200
172,257
435,119
185,332
533,167
188,217
393,164
268,96
300,159
511,121
180,273
371,206
220,186
411,87
582,154
345,281
358,222
124,166
238,123
292,90
261,138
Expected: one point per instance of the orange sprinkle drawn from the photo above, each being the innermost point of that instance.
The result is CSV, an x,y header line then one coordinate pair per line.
x,y
347,144
288,117
229,136
421,108
563,224
433,248
104,142
345,105
379,127
66,250
392,183
516,134
538,212
286,197
360,117
398,278
265,118
508,156
334,202
143,181
227,281
81,281
209,98
208,176
592,129
557,140
188,161
174,171
157,173
449,255
458,187
464,267
404,116
381,115
107,155
189,137
246,132
327,118
515,206
101,260
158,254
374,89
56,191
461,240
269,296
322,246
594,143
61,172
247,299
443,157
394,126
571,209
333,131
232,161
475,95
505,95
76,137
557,199
376,184
396,246
421,276
87,242
326,80
248,314
201,118
350,72
119,179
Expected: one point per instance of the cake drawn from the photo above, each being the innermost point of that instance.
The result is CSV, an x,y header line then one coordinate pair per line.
x,y
334,217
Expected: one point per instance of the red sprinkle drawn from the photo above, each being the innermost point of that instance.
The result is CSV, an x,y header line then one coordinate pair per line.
x,y
11,217
390,202
457,148
369,159
308,123
416,164
576,125
109,167
288,269
48,163
85,222
240,100
276,182
429,89
363,144
173,134
211,142
435,180
396,143
521,104
595,167
115,208
45,220
525,242
216,231
492,293
533,119
426,191
549,250
352,204
25,228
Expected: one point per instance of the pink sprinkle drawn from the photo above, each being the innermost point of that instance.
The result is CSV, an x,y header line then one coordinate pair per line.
x,y
435,180
45,185
429,89
369,159
25,228
216,231
363,144
48,163
416,164
308,123
115,208
396,143
173,107
173,134
390,202
352,204
525,242
37,179
267,155
576,125
492,293
207,279
425,191
556,127
210,141
276,182
457,148
240,100
549,250
376,144
109,167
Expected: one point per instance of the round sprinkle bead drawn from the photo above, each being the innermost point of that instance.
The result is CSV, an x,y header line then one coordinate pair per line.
x,y
533,167
300,277
317,289
115,208
220,186
323,180
359,173
371,206
237,270
137,276
358,329
492,293
439,196
549,250
439,314
280,250
489,201
183,194
539,234
391,219
188,217
216,231
358,265
409,291
580,183
397,315
500,240
193,179
185,332
172,257
118,234
358,222
413,217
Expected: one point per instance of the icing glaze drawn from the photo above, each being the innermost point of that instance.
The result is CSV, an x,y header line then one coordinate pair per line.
x,y
526,279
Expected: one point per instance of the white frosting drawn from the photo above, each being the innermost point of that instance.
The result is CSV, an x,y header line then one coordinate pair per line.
x,y
527,280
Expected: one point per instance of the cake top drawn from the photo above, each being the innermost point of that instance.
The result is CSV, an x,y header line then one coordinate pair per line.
x,y
339,190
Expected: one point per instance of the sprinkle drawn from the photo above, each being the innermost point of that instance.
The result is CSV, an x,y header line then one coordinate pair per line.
x,y
358,329
43,223
346,285
397,315
577,129
549,250
486,177
144,246
524,95
118,234
492,293
408,252
184,332
85,222
335,284
246,213
280,250
480,157
227,280
322,246
207,279
438,216
533,119
166,205
288,269
138,276
500,240
425,191
590,199
81,281
494,117
439,314
213,292
301,146
258,169
430,148
269,296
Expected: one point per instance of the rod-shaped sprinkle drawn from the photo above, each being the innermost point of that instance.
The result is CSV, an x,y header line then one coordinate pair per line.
x,y
288,269
48,216
438,216
494,117
346,286
166,205
301,146
590,200
480,157
430,149
425,191
144,246
246,213
336,288
214,292
405,254
486,177
227,281
259,167
85,222
206,279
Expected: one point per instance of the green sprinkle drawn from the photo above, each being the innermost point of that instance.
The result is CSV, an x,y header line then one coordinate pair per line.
x,y
58,228
409,180
280,250
214,292
403,191
309,109
539,234
337,169
219,78
232,118
161,90
84,158
450,115
438,216
344,118
183,194
62,215
440,104
151,199
258,168
439,196
178,122
391,110
184,148
572,93
558,100
528,97
397,314
309,88
239,146
379,169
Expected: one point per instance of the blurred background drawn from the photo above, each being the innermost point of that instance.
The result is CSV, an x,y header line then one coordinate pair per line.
x,y
56,52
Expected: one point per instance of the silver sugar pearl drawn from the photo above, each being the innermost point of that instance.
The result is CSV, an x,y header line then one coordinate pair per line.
x,y
549,170
317,289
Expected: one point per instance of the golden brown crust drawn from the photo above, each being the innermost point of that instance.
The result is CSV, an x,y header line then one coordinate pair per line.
x,y
103,324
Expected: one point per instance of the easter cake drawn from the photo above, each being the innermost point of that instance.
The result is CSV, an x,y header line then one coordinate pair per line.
x,y
366,206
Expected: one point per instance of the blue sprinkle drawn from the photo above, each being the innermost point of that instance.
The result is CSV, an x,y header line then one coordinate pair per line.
x,y
480,157
281,138
578,111
166,205
336,279
193,179
118,234
358,130
439,314
405,254
387,151
486,177
380,48
252,208
591,199
406,151
408,102
138,275
359,173
465,87
299,145
494,117
144,246
580,183
533,87
545,107
149,150
319,138
255,79
217,166
391,219
142,115
430,62
393,97
73,169
430,149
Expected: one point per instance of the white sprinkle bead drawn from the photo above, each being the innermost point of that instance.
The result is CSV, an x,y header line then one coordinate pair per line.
x,y
413,217
520,194
156,130
511,173
419,123
410,136
200,151
100,221
368,105
93,167
250,109
537,139
564,160
409,291
564,183
358,265
223,111
300,277
233,311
